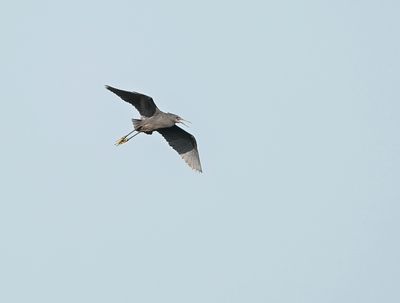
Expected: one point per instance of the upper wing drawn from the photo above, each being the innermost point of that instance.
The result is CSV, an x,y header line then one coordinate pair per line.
x,y
184,143
144,104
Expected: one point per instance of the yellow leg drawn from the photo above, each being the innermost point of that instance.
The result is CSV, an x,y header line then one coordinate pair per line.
x,y
124,139
121,141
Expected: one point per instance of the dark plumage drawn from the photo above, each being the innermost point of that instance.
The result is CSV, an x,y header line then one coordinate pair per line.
x,y
153,119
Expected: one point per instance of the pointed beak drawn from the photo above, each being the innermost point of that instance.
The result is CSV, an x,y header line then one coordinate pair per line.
x,y
181,121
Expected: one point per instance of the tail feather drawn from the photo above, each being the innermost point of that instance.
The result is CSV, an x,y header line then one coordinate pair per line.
x,y
136,123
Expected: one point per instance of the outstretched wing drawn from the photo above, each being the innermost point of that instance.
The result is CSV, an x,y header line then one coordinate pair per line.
x,y
144,104
184,143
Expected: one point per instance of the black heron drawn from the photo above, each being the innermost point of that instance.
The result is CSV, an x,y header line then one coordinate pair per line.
x,y
153,119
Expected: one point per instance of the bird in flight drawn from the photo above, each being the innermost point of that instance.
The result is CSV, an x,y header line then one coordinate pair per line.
x,y
153,119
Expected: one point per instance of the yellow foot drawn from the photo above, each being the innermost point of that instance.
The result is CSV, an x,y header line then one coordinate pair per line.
x,y
121,141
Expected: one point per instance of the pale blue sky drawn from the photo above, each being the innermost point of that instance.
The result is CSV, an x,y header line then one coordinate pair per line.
x,y
295,106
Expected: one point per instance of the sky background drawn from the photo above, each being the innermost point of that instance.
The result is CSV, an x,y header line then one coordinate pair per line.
x,y
295,106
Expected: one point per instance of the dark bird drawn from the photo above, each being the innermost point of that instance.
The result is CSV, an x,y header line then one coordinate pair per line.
x,y
153,119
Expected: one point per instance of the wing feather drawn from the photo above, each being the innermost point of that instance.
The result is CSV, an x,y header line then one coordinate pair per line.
x,y
184,143
144,104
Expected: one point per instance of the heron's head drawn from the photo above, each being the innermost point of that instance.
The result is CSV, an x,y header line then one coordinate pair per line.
x,y
178,119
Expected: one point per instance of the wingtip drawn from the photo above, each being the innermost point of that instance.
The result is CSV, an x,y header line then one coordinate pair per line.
x,y
111,89
197,169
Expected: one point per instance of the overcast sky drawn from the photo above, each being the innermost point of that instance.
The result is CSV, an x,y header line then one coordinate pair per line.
x,y
295,106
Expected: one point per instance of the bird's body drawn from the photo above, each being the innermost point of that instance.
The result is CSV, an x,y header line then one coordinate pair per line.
x,y
152,119
158,120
